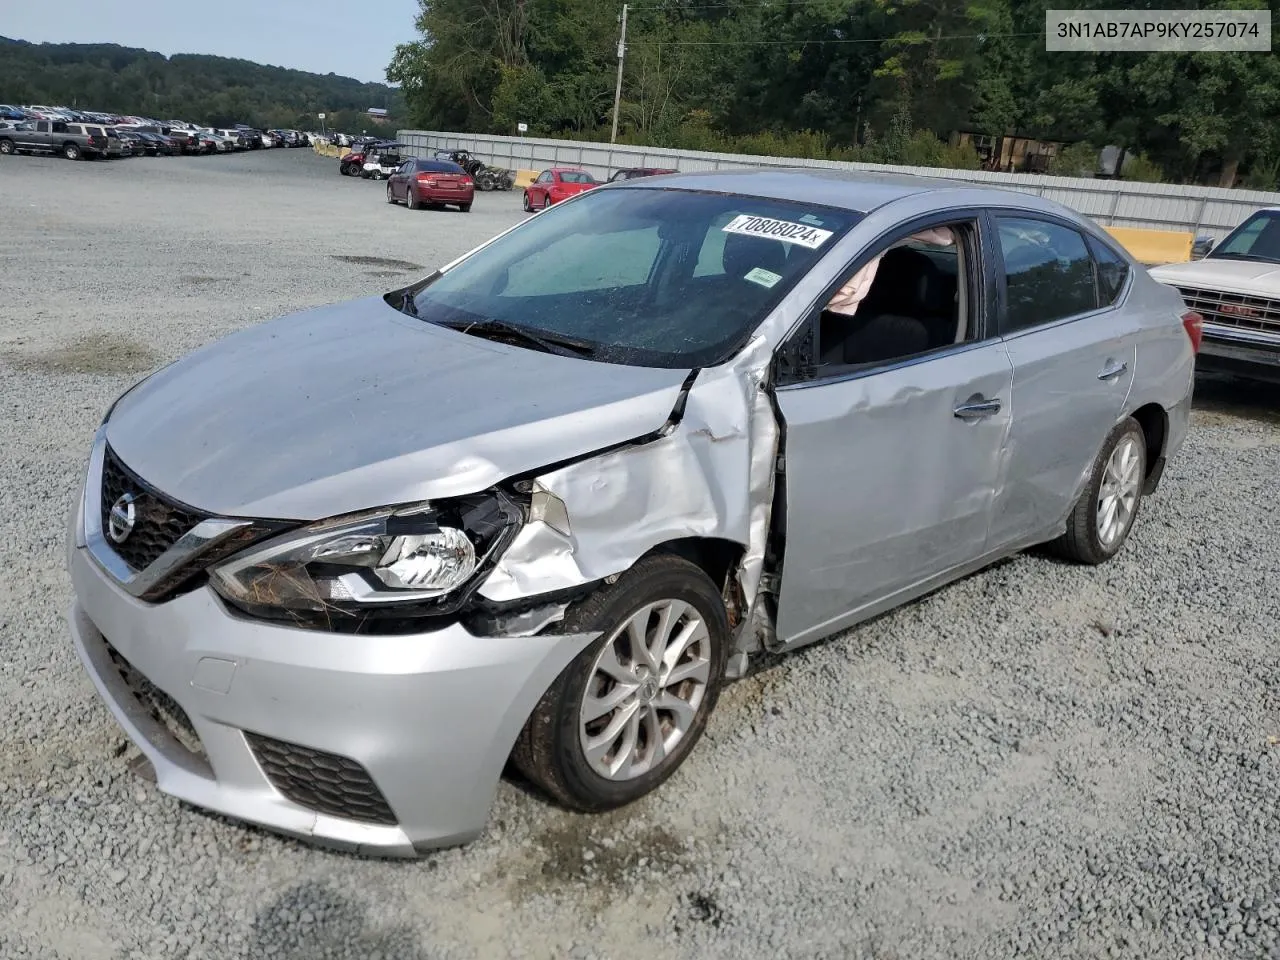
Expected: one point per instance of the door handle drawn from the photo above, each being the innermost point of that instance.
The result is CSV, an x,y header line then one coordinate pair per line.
x,y
975,408
1113,371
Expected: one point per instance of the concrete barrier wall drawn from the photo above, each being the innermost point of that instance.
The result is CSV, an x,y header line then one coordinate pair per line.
x,y
1204,211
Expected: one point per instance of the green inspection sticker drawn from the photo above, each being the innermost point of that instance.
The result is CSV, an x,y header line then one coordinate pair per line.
x,y
766,278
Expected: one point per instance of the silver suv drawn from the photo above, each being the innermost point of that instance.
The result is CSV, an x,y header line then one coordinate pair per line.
x,y
335,570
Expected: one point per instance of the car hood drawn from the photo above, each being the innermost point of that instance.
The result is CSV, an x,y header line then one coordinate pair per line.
x,y
356,405
1237,276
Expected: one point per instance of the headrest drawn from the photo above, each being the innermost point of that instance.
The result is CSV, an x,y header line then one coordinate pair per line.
x,y
742,254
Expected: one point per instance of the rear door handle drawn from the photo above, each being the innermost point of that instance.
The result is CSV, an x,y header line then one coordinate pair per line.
x,y
975,408
1113,371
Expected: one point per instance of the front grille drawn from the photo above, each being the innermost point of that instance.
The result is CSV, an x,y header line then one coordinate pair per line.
x,y
320,781
1234,309
159,521
162,707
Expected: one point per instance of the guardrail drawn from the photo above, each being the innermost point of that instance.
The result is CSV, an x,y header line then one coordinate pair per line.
x,y
1203,211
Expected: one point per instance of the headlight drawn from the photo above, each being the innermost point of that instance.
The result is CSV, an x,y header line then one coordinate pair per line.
x,y
377,564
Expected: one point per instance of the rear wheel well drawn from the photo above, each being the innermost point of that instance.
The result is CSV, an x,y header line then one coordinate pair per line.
x,y
1155,428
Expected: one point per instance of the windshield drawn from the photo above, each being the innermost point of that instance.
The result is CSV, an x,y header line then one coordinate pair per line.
x,y
1258,238
661,278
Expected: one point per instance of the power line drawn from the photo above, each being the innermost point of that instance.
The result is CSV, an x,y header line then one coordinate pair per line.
x,y
805,40
775,4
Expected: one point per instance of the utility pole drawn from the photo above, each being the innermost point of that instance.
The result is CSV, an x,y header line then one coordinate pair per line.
x,y
617,93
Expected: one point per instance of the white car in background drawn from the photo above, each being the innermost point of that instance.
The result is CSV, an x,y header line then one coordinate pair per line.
x,y
1236,288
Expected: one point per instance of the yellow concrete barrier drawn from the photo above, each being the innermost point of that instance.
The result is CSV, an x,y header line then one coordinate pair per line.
x,y
1154,247
526,177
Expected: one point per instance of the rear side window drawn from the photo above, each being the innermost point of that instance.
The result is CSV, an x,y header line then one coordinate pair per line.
x,y
574,176
1049,272
1113,271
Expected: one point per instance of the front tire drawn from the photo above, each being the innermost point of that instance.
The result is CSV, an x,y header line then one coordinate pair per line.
x,y
1104,516
624,715
6,147
528,207
390,196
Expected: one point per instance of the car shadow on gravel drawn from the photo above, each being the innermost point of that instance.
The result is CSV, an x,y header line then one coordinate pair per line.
x,y
400,266
103,354
1223,394
310,921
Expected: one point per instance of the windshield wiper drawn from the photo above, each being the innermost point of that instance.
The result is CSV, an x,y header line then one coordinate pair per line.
x,y
547,342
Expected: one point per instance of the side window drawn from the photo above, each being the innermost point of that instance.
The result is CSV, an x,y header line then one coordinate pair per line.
x,y
545,177
1113,271
406,167
60,128
1049,272
916,295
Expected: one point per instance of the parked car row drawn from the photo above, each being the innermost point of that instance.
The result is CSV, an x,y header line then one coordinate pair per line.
x,y
561,183
85,134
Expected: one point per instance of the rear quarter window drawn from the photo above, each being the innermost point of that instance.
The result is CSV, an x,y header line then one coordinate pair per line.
x,y
1113,272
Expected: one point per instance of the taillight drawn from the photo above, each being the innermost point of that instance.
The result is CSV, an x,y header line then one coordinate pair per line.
x,y
426,180
1193,323
466,181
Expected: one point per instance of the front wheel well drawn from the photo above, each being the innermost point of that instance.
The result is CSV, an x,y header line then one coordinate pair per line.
x,y
717,558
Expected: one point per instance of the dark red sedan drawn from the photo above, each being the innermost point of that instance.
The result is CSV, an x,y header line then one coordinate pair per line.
x,y
556,184
431,183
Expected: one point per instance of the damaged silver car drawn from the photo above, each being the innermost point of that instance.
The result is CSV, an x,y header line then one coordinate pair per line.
x,y
334,571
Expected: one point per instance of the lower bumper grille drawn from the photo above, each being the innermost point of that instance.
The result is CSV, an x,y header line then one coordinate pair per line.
x,y
324,782
162,707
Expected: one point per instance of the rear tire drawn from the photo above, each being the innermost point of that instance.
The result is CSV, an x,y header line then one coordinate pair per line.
x,y
71,151
411,201
613,683
464,207
1103,518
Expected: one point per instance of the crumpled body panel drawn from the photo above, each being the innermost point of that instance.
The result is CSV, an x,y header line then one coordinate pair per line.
x,y
708,476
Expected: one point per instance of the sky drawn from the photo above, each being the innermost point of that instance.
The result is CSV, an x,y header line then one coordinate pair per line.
x,y
346,38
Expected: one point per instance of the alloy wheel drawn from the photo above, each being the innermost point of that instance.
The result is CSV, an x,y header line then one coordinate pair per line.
x,y
645,689
1118,494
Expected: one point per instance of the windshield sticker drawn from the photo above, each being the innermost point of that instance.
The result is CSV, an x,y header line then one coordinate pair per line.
x,y
784,230
766,278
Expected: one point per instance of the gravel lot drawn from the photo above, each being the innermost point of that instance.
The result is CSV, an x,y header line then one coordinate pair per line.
x,y
1042,760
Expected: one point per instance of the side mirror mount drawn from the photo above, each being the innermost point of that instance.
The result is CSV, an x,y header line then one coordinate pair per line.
x,y
1201,247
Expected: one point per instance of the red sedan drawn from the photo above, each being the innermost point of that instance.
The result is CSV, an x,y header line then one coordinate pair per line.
x,y
556,184
431,183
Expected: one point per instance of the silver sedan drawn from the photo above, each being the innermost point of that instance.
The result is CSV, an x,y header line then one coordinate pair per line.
x,y
334,571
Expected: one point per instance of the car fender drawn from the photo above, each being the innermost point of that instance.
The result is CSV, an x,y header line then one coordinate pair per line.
x,y
707,474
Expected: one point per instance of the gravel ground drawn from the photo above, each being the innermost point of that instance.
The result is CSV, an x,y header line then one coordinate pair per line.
x,y
1041,761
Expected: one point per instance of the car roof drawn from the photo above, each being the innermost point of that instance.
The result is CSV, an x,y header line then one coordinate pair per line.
x,y
856,190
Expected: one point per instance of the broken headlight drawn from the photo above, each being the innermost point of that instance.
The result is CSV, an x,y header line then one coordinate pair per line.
x,y
372,564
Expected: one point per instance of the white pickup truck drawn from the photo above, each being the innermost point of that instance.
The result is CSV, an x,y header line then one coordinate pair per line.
x,y
1235,287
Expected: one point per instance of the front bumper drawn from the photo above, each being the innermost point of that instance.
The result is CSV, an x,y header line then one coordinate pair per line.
x,y
430,717
1248,352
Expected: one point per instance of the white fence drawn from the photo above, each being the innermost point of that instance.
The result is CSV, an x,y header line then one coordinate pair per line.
x,y
1205,211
